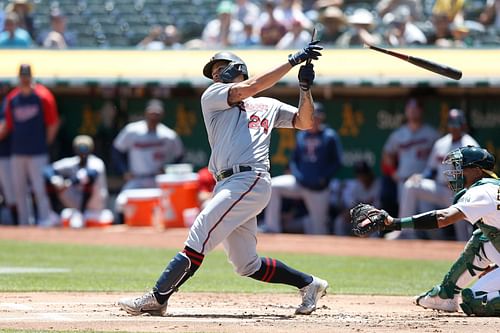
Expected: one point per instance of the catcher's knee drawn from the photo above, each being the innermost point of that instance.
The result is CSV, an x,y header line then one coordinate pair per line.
x,y
477,304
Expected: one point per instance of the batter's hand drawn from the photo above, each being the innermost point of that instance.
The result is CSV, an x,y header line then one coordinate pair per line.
x,y
310,52
306,76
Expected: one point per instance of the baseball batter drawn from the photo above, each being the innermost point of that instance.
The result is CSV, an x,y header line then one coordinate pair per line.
x,y
477,200
432,186
239,128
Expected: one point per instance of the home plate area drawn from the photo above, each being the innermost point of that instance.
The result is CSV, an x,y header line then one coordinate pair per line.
x,y
224,312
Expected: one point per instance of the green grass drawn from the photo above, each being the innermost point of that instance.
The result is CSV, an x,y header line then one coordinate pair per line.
x,y
113,268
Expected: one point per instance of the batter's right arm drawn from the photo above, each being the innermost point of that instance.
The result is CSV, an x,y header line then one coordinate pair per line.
x,y
256,84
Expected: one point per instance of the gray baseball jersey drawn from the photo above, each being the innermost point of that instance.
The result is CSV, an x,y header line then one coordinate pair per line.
x,y
238,135
412,148
241,134
148,152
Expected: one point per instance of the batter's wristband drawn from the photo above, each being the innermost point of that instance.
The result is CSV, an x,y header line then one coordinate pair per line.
x,y
424,221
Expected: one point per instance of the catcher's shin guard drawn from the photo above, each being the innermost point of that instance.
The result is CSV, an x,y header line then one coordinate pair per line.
x,y
477,304
179,270
472,261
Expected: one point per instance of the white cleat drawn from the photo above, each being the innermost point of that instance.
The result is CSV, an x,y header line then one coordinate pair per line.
x,y
146,303
432,300
311,295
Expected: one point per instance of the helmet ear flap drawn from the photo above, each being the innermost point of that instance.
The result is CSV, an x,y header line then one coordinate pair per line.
x,y
232,71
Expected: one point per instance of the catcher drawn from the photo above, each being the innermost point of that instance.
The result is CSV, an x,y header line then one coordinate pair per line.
x,y
477,200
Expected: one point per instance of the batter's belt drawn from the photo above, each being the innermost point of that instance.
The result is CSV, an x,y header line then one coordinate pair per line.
x,y
229,172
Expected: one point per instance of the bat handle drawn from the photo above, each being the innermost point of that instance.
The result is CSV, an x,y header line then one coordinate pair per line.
x,y
313,35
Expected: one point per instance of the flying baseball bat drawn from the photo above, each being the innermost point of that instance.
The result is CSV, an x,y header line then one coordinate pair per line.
x,y
444,70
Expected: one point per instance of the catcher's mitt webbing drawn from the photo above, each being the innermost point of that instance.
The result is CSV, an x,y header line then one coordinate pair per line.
x,y
366,219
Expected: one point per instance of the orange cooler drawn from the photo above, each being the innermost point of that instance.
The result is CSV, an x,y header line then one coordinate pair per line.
x,y
142,207
179,193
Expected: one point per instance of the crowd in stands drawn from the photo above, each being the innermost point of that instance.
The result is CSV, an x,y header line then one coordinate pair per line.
x,y
173,24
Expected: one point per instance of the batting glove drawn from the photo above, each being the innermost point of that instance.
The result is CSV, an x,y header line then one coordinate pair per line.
x,y
306,76
310,52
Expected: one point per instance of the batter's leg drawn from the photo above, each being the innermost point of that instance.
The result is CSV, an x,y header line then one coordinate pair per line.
x,y
240,247
20,183
281,187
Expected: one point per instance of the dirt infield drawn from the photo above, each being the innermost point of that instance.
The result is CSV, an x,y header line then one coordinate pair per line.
x,y
208,312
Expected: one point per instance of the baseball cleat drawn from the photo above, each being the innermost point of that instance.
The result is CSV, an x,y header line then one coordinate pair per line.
x,y
146,303
310,295
432,300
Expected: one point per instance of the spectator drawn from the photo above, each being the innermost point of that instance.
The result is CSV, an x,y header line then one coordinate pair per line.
x,y
384,7
271,30
402,31
153,41
246,11
141,150
58,37
360,31
23,9
250,39
289,11
6,186
332,25
315,160
441,34
454,10
78,182
171,39
431,185
490,16
364,188
295,38
14,36
224,30
32,119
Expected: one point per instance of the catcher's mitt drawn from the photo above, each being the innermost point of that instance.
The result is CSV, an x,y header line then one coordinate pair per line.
x,y
366,219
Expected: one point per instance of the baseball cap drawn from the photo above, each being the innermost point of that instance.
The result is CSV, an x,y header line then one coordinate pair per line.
x,y
83,144
361,167
456,118
25,70
154,106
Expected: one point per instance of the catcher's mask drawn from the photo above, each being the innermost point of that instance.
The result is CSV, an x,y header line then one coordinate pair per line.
x,y
467,157
234,68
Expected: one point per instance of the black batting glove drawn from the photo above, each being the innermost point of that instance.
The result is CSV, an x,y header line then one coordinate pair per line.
x,y
310,52
306,76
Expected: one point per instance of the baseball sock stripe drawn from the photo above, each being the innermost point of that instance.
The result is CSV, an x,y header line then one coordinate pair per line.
x,y
229,209
266,265
195,257
273,271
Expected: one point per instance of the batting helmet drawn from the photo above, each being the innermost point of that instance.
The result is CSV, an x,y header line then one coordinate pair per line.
x,y
465,157
235,67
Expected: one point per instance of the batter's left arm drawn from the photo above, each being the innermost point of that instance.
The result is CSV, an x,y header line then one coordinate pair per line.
x,y
304,118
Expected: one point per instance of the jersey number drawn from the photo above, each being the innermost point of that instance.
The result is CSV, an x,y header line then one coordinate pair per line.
x,y
256,123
